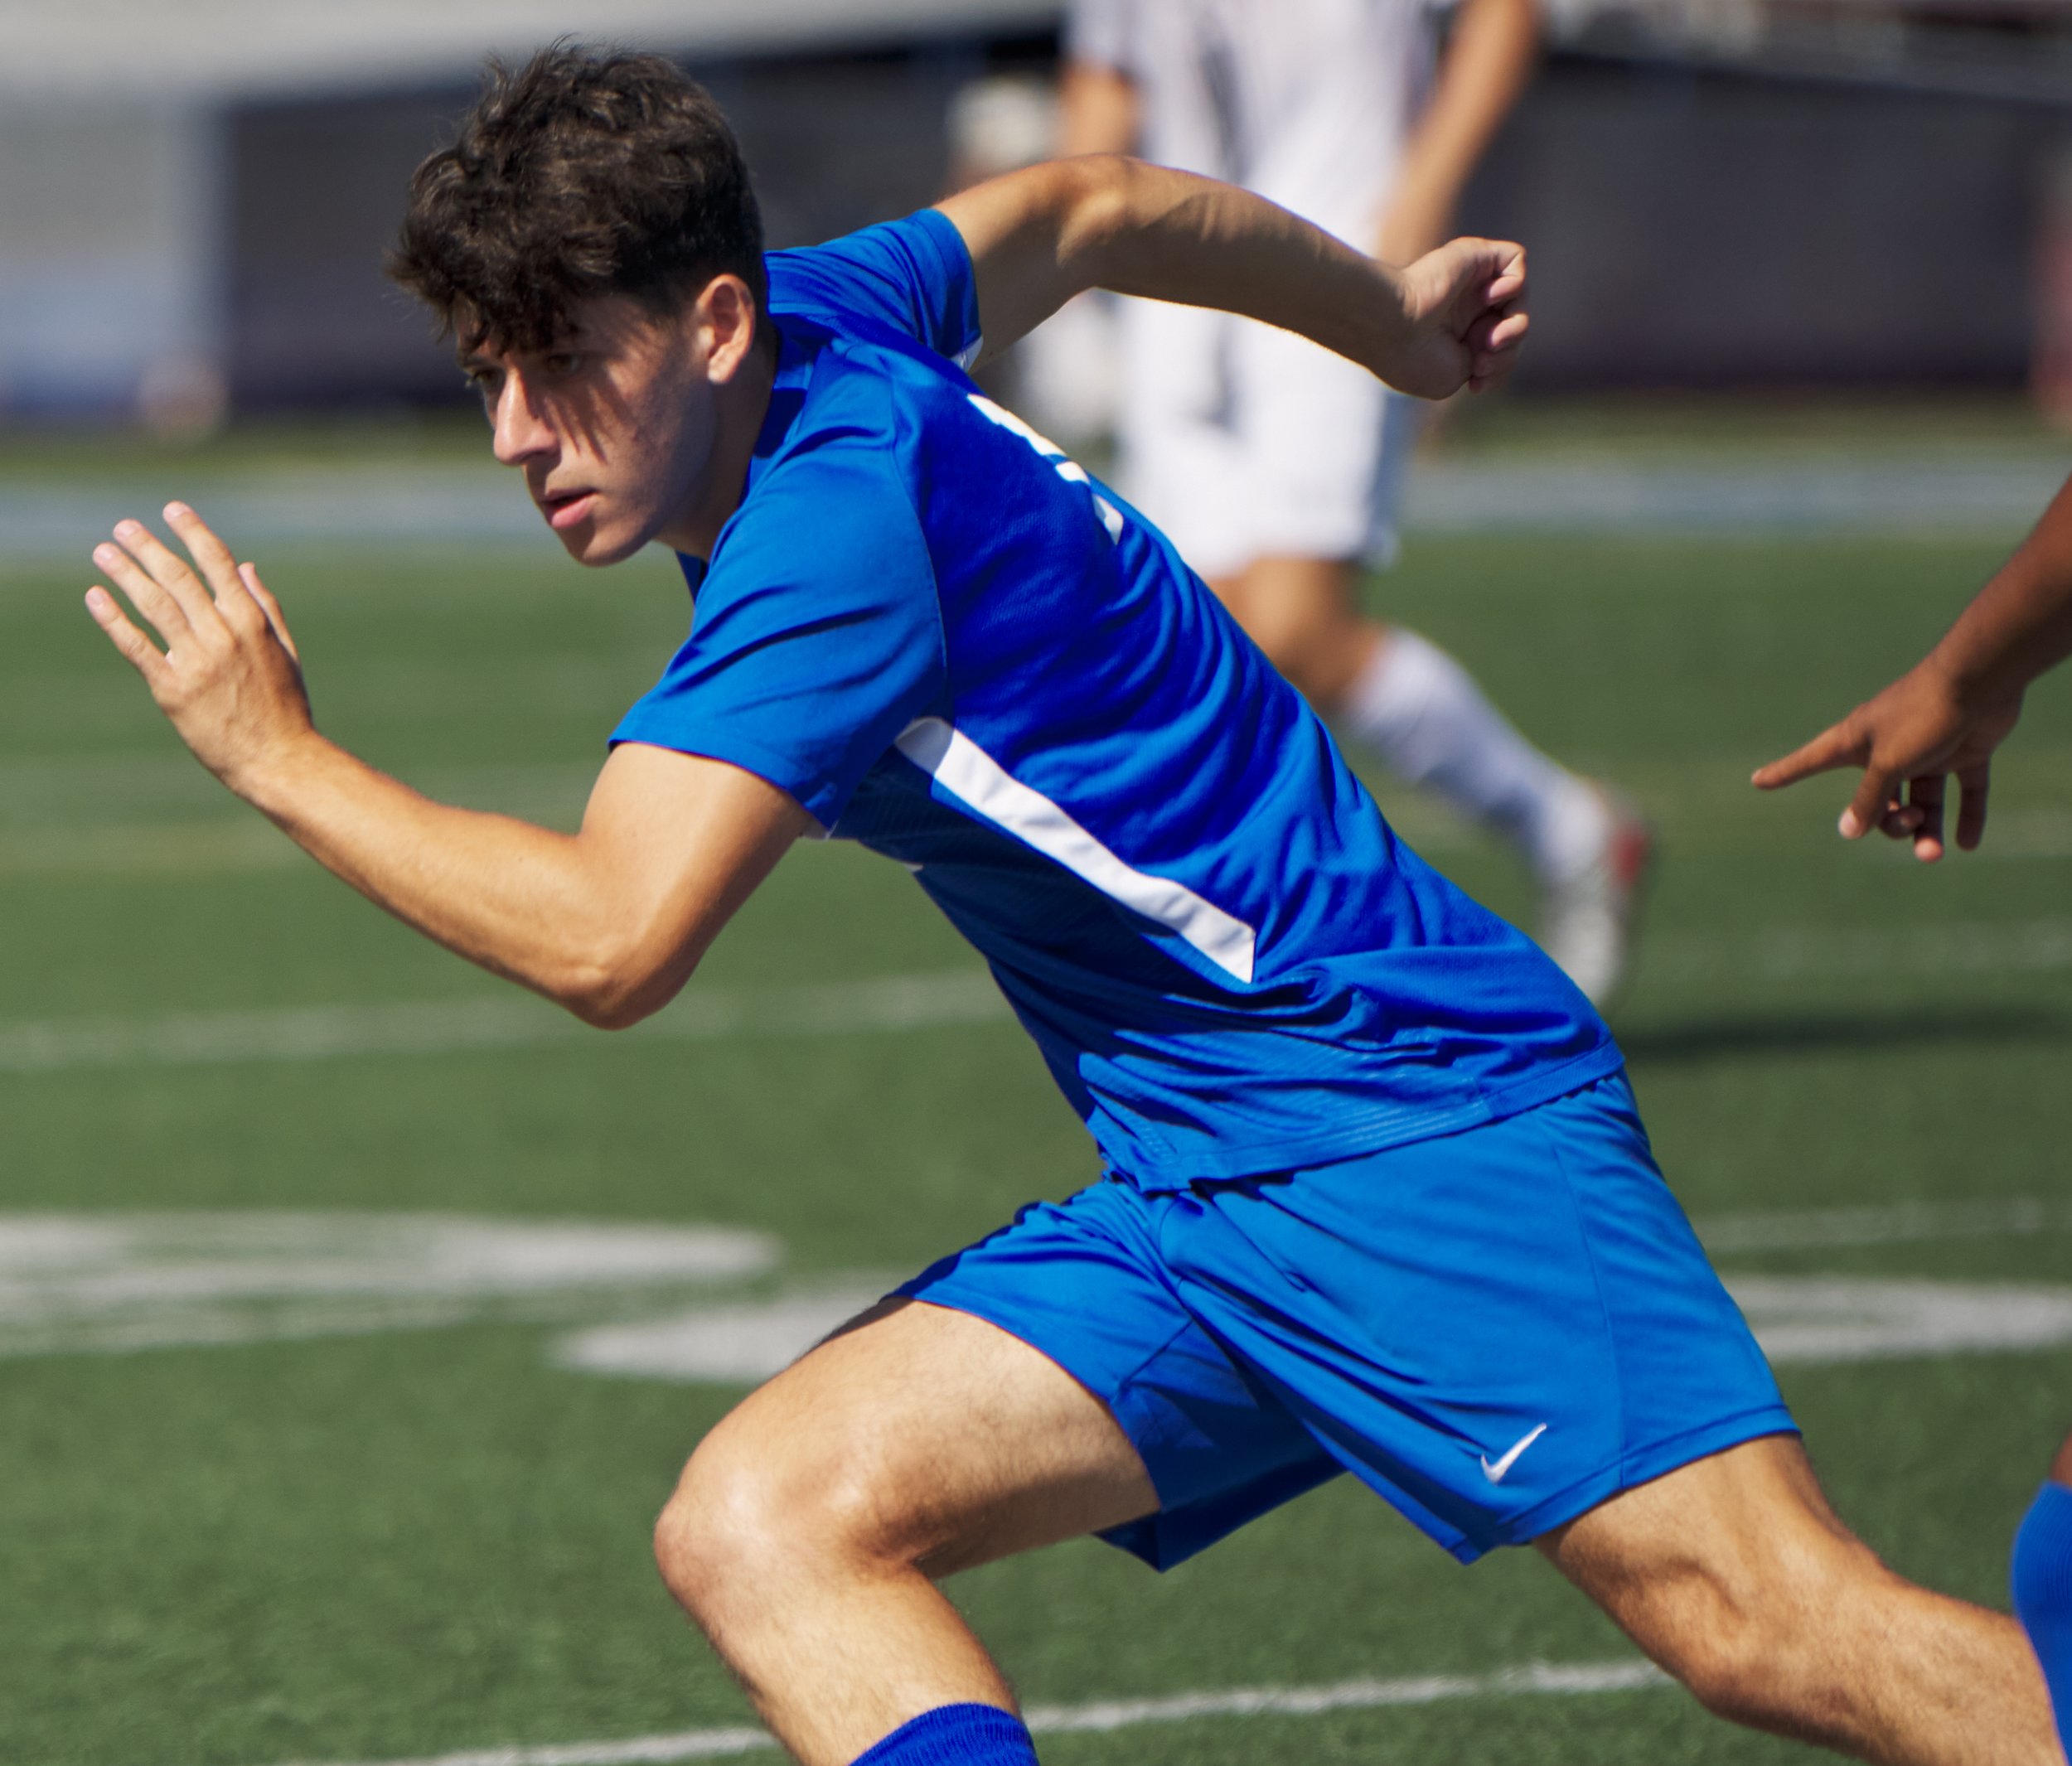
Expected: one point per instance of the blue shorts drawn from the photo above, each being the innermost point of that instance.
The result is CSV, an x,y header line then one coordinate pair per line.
x,y
1496,1329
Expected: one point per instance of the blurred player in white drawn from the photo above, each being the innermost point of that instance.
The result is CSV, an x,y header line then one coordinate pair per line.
x,y
1277,470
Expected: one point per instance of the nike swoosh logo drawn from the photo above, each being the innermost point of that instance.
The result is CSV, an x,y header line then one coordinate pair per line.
x,y
1495,1473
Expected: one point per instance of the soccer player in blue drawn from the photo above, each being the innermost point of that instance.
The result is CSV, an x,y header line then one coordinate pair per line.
x,y
1943,719
1376,1198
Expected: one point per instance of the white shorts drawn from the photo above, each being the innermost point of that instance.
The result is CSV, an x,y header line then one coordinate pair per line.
x,y
1242,441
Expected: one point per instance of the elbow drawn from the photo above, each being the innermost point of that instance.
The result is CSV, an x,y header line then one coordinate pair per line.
x,y
604,1007
1084,207
615,989
1100,202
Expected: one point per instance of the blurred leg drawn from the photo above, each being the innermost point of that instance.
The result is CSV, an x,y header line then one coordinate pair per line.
x,y
1422,714
1416,708
1733,1574
1303,613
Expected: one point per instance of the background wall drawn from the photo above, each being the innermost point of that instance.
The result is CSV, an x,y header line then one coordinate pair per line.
x,y
1700,227
1776,217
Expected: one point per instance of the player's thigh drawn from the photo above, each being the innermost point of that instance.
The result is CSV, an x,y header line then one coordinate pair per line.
x,y
1740,1540
920,1434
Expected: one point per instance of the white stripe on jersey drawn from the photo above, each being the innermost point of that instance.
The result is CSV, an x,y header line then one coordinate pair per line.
x,y
961,768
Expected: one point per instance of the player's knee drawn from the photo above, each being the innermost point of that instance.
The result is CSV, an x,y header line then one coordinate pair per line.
x,y
750,1512
711,1532
741,1508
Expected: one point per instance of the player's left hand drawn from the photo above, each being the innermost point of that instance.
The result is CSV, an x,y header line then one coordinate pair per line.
x,y
225,670
1465,303
1908,740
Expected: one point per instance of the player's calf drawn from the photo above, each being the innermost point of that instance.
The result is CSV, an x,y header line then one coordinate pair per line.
x,y
1734,1574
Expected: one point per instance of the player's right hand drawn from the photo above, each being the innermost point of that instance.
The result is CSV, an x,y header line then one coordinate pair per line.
x,y
225,672
1465,303
1908,740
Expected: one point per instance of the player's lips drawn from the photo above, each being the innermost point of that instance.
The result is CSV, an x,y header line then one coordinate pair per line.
x,y
564,509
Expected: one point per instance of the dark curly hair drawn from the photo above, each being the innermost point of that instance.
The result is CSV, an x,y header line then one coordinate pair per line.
x,y
585,172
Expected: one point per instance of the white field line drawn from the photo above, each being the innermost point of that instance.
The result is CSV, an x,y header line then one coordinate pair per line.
x,y
1105,1715
1891,1223
884,1003
213,844
919,1001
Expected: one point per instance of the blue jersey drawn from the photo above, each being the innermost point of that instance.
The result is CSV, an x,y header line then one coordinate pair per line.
x,y
950,644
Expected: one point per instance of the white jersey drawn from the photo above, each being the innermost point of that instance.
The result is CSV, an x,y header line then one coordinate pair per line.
x,y
1307,102
1242,441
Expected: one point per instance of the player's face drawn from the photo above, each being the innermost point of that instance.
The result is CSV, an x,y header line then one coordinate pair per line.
x,y
612,424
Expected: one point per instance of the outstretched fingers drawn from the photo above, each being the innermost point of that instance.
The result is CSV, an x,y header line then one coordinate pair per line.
x,y
1839,745
149,555
1875,803
138,650
218,565
248,574
169,615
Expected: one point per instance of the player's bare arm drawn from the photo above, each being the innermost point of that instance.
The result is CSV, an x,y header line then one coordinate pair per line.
x,y
609,921
1454,318
1946,715
1489,58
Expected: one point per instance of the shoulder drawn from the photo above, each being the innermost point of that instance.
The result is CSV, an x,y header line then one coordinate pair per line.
x,y
913,278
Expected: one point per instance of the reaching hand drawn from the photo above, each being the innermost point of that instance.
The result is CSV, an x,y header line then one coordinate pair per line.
x,y
1465,303
1914,735
228,675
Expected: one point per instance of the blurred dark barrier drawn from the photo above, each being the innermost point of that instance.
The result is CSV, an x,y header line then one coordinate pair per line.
x,y
1688,228
317,192
1693,228
318,189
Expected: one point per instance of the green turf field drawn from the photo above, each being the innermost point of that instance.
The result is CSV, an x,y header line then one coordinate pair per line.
x,y
323,1538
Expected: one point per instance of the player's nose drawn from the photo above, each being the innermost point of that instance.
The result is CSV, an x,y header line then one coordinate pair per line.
x,y
518,430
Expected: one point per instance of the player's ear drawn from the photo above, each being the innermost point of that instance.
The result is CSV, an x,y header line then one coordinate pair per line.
x,y
728,323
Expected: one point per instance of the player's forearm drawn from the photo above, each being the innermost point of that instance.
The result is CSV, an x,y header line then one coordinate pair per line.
x,y
519,900
2019,624
1169,236
1038,238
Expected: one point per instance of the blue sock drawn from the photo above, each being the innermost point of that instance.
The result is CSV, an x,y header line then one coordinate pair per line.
x,y
2043,1595
960,1735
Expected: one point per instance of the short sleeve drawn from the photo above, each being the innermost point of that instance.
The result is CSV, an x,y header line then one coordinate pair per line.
x,y
913,275
1099,32
817,636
